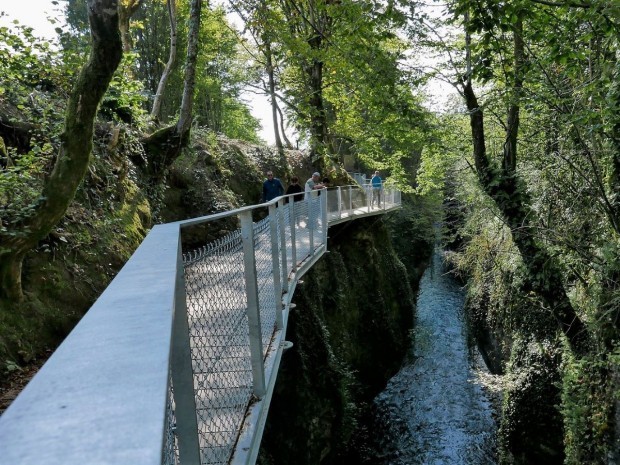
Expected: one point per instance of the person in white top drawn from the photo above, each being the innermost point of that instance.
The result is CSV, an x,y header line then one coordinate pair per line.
x,y
313,184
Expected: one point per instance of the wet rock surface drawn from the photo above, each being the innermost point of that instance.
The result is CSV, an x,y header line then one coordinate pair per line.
x,y
436,409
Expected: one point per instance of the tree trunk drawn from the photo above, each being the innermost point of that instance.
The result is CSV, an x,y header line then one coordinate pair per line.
x,y
272,96
504,187
75,150
318,125
126,9
164,145
185,115
172,14
283,132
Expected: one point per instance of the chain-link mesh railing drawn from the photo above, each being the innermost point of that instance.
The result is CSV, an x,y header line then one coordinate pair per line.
x,y
227,290
171,447
265,277
216,304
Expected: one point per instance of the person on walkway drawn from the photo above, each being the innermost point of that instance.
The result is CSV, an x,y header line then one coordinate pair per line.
x,y
295,188
313,184
272,187
377,185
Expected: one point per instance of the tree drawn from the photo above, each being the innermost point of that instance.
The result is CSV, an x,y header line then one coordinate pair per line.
x,y
172,14
502,182
260,18
164,145
126,9
310,26
72,162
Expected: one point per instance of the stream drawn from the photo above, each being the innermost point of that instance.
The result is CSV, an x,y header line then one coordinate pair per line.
x,y
437,409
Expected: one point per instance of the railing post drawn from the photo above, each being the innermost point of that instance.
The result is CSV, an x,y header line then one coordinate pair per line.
x,y
183,375
282,209
311,220
275,262
350,201
324,215
253,310
293,224
339,202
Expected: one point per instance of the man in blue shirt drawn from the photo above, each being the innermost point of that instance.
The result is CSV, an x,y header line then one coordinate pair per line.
x,y
376,183
272,188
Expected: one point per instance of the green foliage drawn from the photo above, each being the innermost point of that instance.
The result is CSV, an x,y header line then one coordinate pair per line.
x,y
589,397
444,153
125,100
20,186
221,73
33,69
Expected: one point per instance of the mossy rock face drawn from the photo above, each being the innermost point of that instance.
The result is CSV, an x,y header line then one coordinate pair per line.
x,y
531,429
350,332
413,236
69,268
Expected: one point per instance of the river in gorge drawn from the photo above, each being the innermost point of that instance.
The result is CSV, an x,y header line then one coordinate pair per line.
x,y
438,408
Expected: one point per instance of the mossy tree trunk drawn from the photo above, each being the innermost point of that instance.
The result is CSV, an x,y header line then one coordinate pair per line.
x,y
75,150
503,185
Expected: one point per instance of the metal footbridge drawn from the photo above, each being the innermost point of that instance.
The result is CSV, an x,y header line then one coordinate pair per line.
x,y
176,362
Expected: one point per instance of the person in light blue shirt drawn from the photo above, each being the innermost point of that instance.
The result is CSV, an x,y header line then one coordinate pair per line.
x,y
377,186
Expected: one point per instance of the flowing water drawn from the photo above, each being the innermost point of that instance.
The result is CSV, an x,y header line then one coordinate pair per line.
x,y
437,408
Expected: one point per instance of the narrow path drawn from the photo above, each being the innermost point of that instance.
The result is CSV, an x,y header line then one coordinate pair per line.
x,y
434,410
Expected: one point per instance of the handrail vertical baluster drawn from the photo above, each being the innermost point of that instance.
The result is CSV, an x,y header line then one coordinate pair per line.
x,y
293,223
323,212
275,262
283,254
311,220
339,202
182,374
350,201
253,310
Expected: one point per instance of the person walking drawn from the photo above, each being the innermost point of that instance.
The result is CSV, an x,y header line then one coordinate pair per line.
x,y
272,187
377,185
295,188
